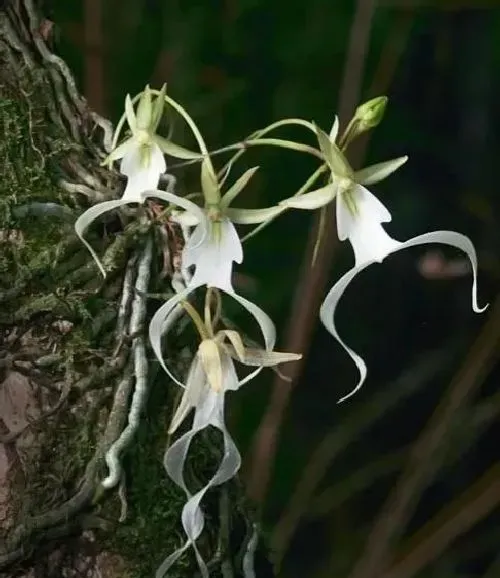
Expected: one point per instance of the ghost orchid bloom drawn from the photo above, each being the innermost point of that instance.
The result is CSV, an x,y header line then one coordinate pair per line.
x,y
142,162
359,219
211,249
211,375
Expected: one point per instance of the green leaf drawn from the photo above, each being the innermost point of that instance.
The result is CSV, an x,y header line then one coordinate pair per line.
x,y
378,172
238,186
175,150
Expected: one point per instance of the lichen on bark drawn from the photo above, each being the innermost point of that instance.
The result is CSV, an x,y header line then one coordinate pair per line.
x,y
64,337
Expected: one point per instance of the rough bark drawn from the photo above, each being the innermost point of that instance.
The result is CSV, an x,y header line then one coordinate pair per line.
x,y
66,361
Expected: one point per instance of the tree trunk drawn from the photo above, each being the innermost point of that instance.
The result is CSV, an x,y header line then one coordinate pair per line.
x,y
68,344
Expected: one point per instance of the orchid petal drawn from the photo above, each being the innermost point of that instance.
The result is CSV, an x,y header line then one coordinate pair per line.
x,y
257,357
210,359
229,375
314,199
133,162
327,316
209,184
89,216
238,186
457,241
195,382
378,172
158,108
130,114
185,204
266,325
252,216
142,176
333,155
174,150
144,109
211,412
359,227
121,150
327,310
157,327
213,257
186,219
238,348
334,131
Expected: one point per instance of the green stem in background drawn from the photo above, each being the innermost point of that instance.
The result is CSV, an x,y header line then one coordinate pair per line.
x,y
258,134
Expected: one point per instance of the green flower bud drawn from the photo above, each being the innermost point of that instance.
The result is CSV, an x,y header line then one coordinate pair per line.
x,y
370,114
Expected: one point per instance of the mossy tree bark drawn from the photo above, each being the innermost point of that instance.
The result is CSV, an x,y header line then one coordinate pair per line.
x,y
68,346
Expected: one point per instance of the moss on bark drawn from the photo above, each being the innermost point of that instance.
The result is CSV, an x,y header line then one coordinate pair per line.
x,y
61,328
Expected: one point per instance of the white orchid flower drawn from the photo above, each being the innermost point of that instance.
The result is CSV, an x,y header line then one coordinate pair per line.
x,y
359,219
142,162
213,254
211,375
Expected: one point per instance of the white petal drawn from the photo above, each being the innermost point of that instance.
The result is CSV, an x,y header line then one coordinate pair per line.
x,y
185,218
131,161
368,208
458,241
266,325
157,159
142,177
211,412
257,357
195,382
368,238
213,257
89,216
121,150
210,357
376,173
327,316
237,347
187,205
229,376
157,328
327,310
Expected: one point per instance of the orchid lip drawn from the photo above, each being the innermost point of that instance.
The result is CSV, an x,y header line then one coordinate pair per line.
x,y
328,308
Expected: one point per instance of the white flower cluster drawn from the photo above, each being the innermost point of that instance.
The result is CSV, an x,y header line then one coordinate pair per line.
x,y
213,246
